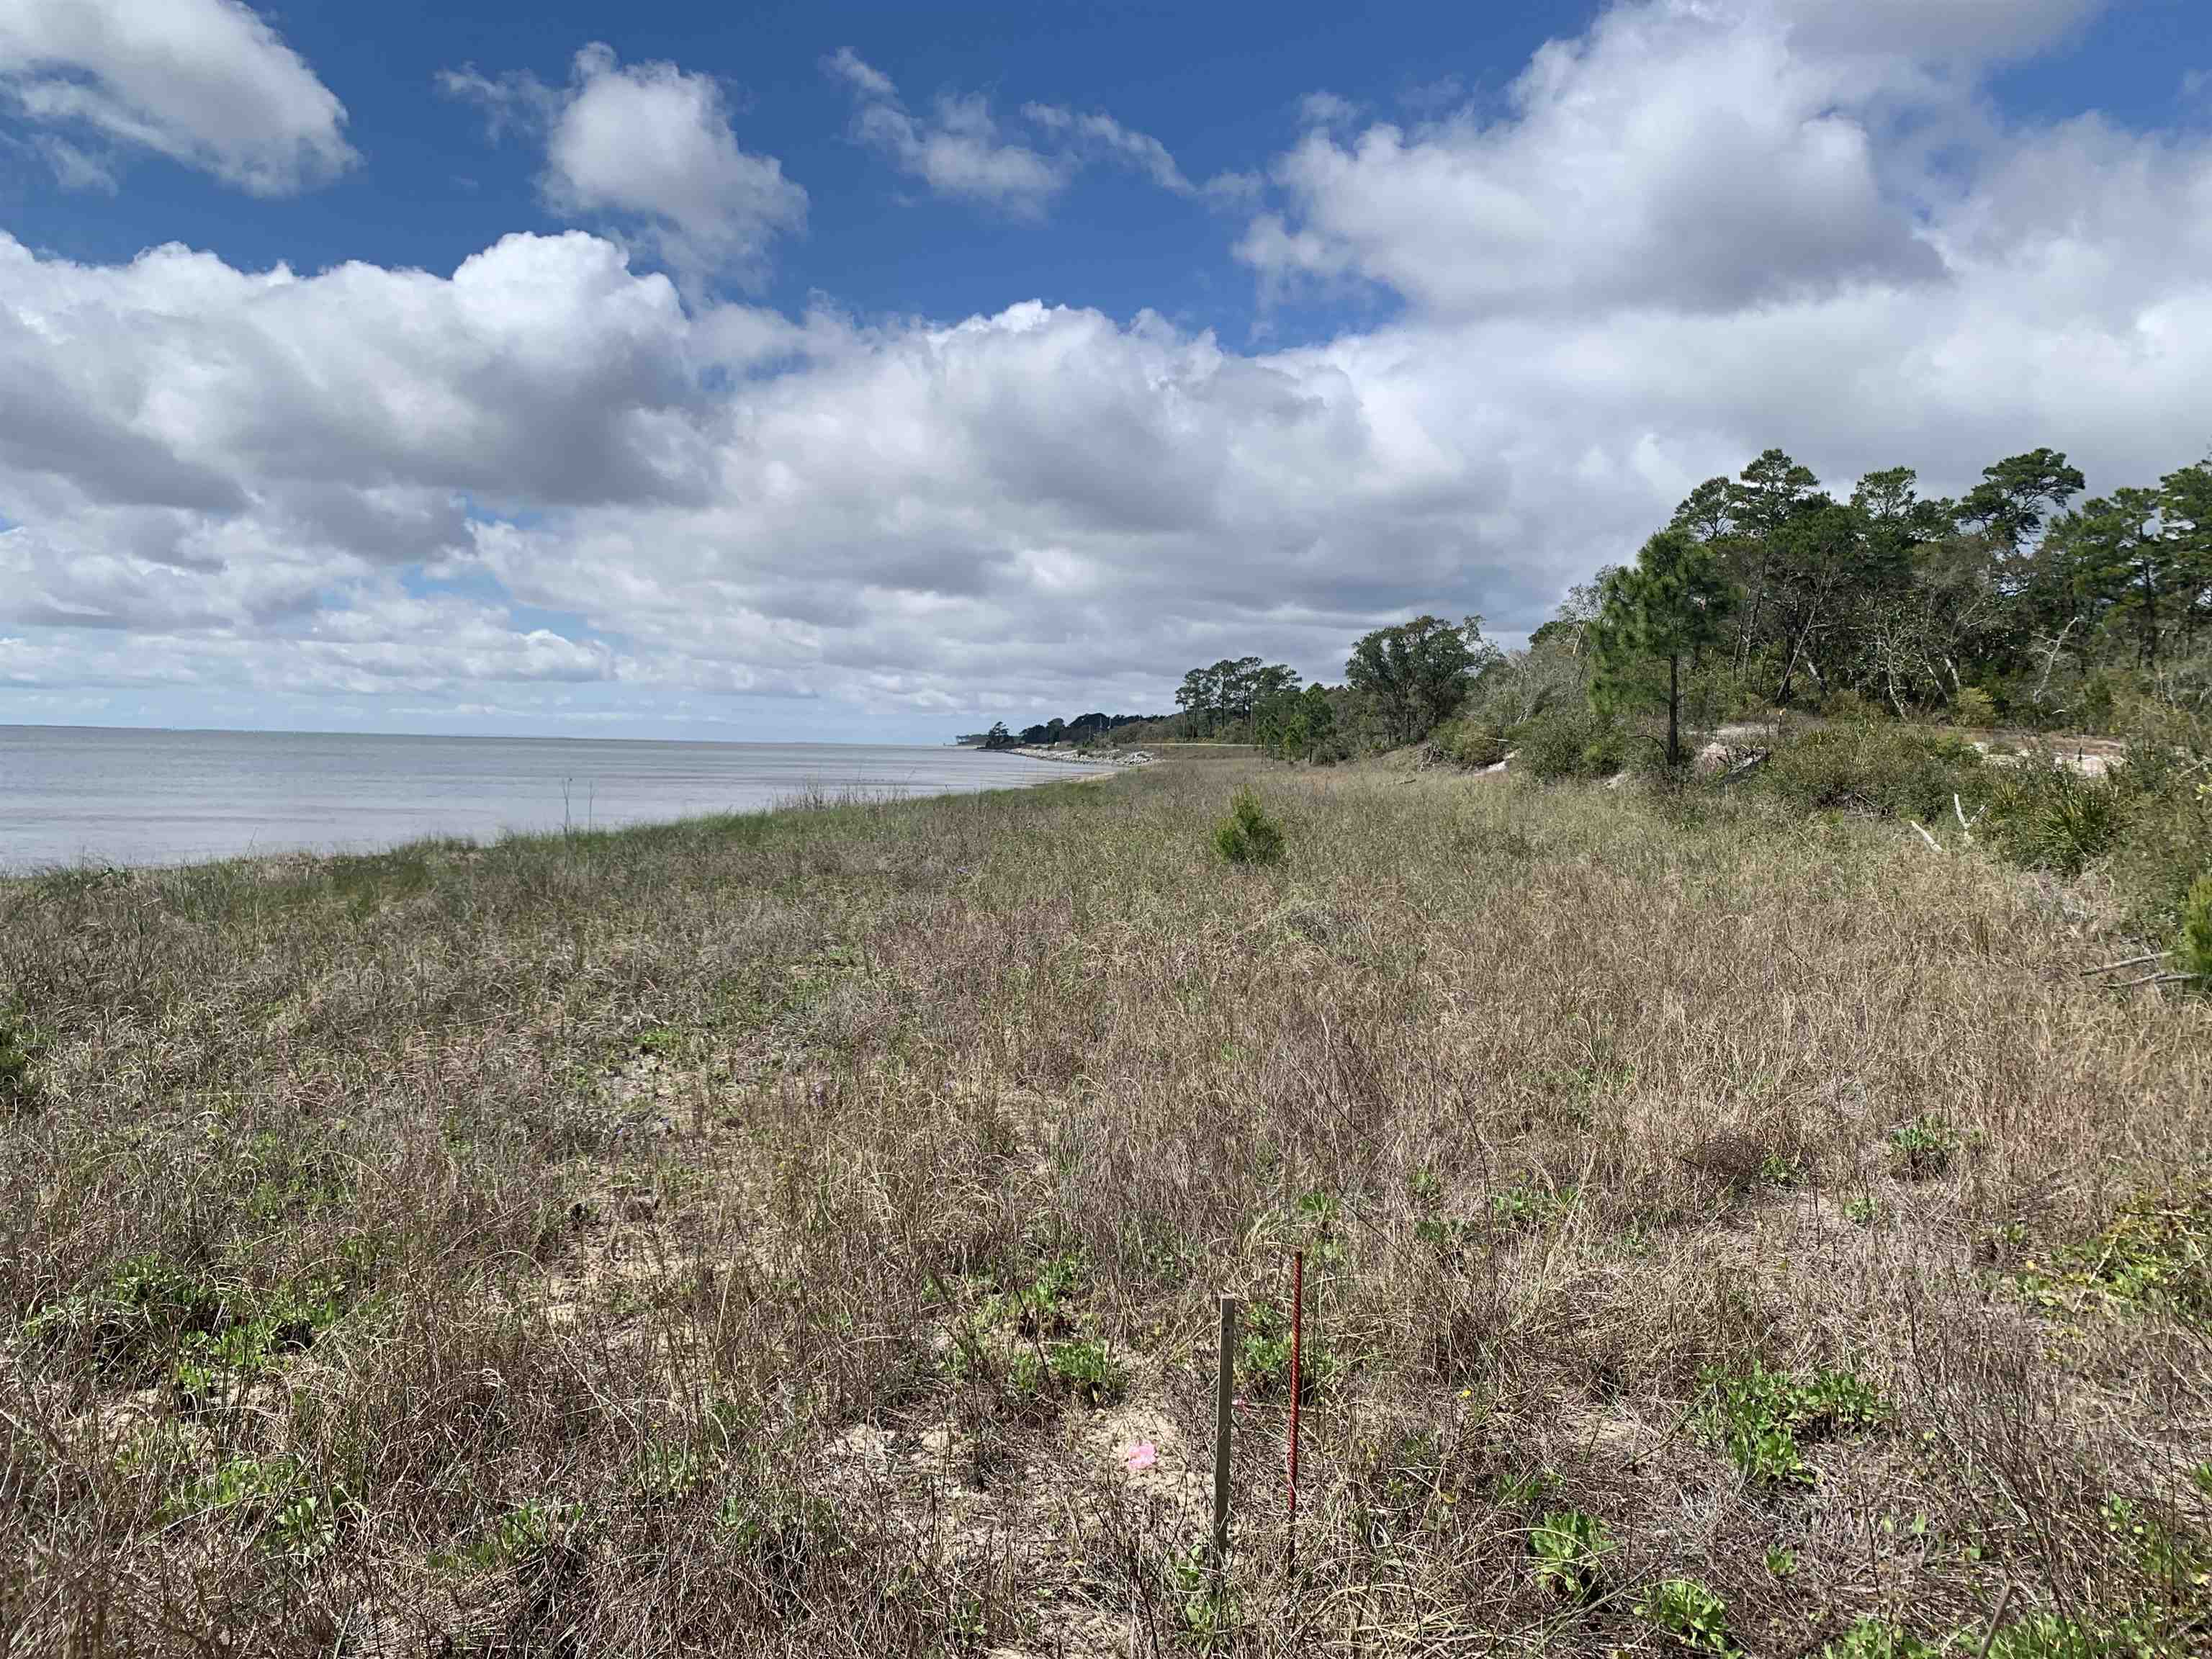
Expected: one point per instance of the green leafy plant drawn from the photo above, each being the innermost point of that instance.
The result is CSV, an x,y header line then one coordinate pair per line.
x,y
1527,1205
1925,1145
1263,1354
1470,744
273,1494
776,1529
1776,1171
2048,1636
1781,1562
243,1350
1763,1419
2154,1256
1209,1609
2173,1559
1529,1486
1247,835
1695,1616
520,1533
146,1309
1571,740
1088,1370
1870,1637
1569,1547
1974,707
667,1471
1862,1211
1892,771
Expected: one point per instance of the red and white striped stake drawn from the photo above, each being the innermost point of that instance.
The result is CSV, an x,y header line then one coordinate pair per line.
x,y
1297,1322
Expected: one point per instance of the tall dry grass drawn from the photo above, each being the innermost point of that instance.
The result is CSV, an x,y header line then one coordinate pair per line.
x,y
777,1234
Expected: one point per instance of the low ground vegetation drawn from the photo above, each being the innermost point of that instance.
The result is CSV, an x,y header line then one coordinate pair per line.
x,y
1729,1227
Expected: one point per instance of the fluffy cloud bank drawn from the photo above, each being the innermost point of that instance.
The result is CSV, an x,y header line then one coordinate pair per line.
x,y
549,470
205,82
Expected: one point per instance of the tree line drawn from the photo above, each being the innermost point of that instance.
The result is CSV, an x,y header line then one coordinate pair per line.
x,y
2018,601
1084,728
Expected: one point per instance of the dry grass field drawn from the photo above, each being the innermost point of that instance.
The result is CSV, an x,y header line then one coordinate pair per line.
x,y
1725,1230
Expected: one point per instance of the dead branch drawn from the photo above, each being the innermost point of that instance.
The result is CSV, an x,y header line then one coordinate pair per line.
x,y
2130,961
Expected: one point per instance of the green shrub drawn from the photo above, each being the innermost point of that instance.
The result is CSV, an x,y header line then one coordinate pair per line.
x,y
1571,741
1470,744
2195,953
2048,817
521,1534
1974,707
18,1087
1898,771
291,1516
2166,844
1247,835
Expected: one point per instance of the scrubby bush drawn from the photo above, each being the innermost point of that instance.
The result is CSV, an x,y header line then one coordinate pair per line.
x,y
17,1082
1974,707
1468,743
1898,771
1574,741
2196,951
2047,816
1247,835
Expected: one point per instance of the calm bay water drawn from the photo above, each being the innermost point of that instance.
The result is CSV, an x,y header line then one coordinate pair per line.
x,y
88,793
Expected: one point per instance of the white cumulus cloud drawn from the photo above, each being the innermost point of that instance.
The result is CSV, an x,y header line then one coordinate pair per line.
x,y
205,82
650,147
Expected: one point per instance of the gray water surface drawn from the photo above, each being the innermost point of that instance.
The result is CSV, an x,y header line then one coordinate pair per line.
x,y
72,794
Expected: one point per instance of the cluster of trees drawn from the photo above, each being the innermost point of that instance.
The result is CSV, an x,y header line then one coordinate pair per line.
x,y
1226,698
2009,599
2017,601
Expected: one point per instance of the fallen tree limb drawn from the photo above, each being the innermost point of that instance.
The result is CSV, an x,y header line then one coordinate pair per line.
x,y
2130,961
1744,768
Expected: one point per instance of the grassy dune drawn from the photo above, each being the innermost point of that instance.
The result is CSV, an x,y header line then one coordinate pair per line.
x,y
782,1234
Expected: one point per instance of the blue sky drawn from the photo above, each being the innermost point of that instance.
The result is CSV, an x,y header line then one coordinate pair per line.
x,y
845,371
1220,86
